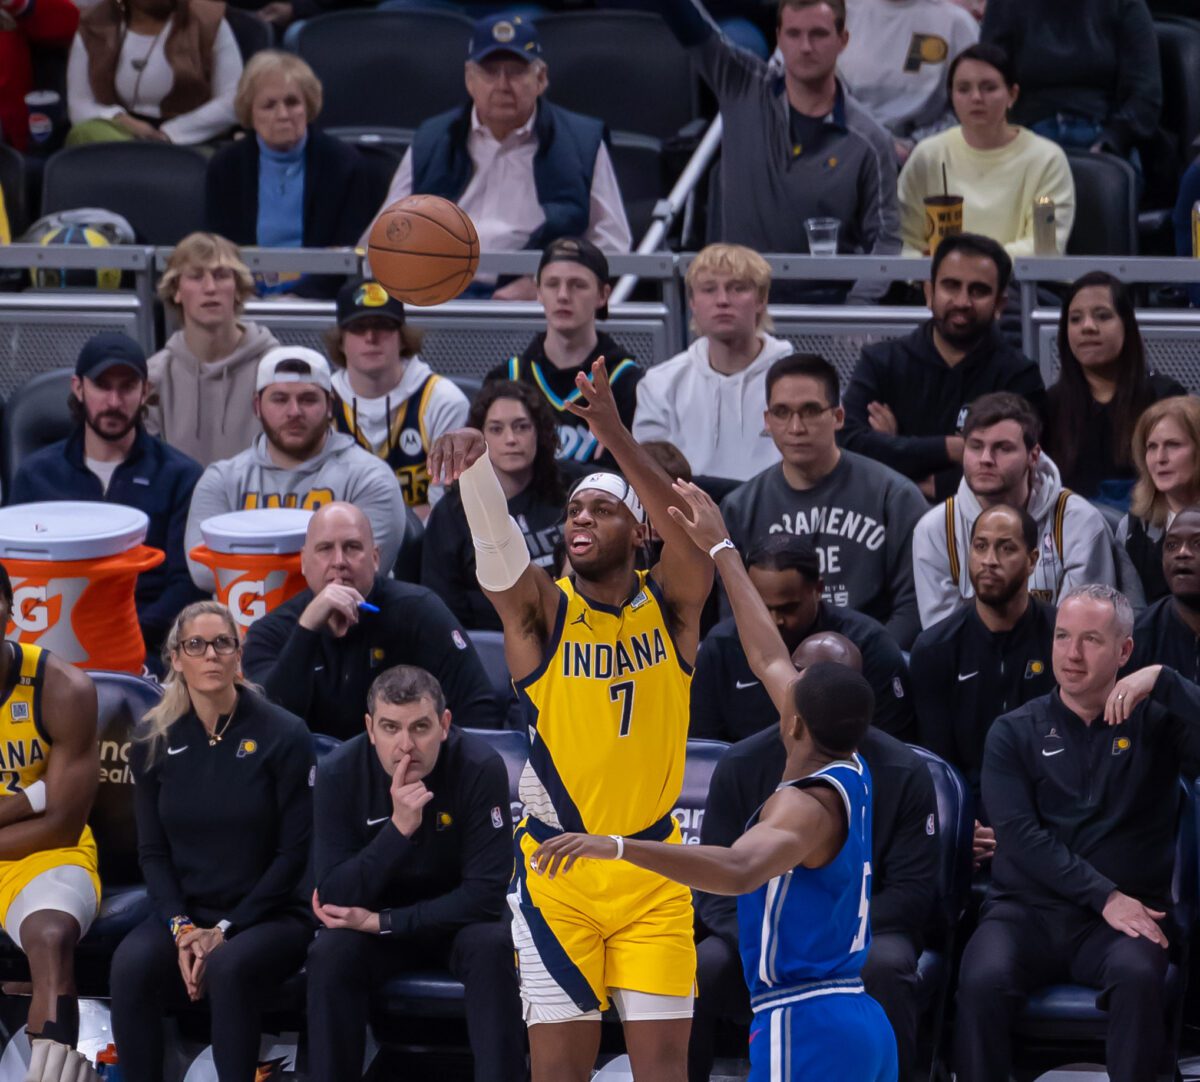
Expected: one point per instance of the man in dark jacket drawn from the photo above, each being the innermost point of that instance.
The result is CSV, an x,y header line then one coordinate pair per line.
x,y
317,654
1168,632
412,851
110,457
907,399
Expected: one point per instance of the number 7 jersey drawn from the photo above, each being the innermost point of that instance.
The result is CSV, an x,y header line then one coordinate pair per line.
x,y
607,715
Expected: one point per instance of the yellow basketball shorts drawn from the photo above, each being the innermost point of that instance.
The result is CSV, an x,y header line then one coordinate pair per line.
x,y
602,925
16,875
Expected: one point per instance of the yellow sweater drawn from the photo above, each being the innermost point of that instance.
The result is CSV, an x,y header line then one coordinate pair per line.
x,y
998,188
5,233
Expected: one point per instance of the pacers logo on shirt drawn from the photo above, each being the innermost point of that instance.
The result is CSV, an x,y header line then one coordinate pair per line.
x,y
925,49
247,747
1034,668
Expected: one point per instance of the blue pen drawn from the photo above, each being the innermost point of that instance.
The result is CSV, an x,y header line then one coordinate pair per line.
x,y
366,606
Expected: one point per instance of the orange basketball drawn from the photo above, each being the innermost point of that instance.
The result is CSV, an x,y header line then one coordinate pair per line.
x,y
423,250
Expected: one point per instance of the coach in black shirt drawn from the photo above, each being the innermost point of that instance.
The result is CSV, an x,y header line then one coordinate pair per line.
x,y
728,702
1168,632
317,654
903,873
412,853
1080,785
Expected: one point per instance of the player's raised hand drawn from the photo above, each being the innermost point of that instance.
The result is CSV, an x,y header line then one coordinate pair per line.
x,y
558,854
453,452
596,403
702,520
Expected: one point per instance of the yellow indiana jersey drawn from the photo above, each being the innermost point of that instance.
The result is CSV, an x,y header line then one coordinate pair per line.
x,y
24,745
608,716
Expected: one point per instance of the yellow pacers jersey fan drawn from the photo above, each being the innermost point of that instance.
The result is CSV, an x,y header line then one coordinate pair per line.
x,y
608,712
24,753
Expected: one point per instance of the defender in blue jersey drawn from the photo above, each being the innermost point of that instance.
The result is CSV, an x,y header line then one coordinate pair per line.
x,y
802,870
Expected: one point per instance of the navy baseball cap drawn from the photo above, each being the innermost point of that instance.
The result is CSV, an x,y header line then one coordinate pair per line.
x,y
504,34
110,349
365,298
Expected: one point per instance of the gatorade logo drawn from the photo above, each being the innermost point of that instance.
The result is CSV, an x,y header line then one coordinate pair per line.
x,y
32,611
925,49
247,601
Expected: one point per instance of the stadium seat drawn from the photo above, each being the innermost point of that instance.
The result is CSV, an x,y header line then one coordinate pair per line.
x,y
1105,205
407,567
489,645
1179,58
35,416
1065,1014
385,70
702,759
252,33
158,187
12,184
469,385
637,160
649,86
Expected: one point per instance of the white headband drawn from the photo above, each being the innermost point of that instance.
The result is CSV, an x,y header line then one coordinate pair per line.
x,y
615,485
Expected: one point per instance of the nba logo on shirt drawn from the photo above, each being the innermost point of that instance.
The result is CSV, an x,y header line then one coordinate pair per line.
x,y
962,418
497,818
459,641
19,711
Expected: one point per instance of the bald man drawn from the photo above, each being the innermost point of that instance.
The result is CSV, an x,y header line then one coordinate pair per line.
x,y
317,654
903,871
1168,632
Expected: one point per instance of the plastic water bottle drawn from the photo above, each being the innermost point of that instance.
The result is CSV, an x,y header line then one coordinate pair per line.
x,y
107,1065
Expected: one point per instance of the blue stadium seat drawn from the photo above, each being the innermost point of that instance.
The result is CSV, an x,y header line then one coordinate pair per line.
x,y
251,33
407,567
489,645
12,184
702,759
35,416
1106,196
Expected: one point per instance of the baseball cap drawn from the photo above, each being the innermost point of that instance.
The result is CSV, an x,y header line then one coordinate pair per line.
x,y
110,349
299,364
504,34
577,250
365,298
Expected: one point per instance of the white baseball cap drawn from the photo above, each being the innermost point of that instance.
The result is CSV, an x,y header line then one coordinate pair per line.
x,y
300,365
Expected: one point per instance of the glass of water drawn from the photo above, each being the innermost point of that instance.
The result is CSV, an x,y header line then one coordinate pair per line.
x,y
822,235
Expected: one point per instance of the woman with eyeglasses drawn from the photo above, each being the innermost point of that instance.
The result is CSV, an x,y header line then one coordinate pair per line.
x,y
224,816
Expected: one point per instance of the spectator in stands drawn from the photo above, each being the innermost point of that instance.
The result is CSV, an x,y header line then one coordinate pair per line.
x,y
519,429
1181,218
908,396
156,70
317,654
1166,452
291,185
1088,71
988,656
1004,464
1079,895
5,228
225,875
202,381
999,169
729,703
24,25
816,152
904,857
412,855
895,63
707,399
1168,632
110,457
1103,386
385,397
860,513
573,287
526,171
298,461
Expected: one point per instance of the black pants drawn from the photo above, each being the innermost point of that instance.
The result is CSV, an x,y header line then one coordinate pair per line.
x,y
238,979
1017,949
344,966
890,976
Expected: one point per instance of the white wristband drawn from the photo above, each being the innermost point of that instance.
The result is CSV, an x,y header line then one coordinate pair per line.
x,y
36,795
725,544
620,846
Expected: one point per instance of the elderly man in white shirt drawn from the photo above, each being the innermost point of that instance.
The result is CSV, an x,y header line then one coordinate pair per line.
x,y
525,170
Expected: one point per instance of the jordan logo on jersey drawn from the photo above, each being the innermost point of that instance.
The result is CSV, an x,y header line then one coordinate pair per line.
x,y
602,660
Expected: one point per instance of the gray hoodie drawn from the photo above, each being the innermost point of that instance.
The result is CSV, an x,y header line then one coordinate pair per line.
x,y
1086,554
206,408
340,471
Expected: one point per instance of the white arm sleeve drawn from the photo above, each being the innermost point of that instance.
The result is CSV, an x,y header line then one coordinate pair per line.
x,y
501,554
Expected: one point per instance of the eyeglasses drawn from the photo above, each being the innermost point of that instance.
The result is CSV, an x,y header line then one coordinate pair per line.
x,y
807,413
224,645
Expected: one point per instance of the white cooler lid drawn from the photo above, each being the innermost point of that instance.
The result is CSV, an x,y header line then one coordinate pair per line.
x,y
263,531
62,530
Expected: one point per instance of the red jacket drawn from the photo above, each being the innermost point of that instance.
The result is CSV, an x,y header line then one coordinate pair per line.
x,y
43,22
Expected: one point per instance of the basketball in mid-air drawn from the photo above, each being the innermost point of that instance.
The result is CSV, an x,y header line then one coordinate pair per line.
x,y
423,250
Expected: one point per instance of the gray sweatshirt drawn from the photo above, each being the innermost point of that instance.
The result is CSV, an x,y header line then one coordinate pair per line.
x,y
340,471
861,516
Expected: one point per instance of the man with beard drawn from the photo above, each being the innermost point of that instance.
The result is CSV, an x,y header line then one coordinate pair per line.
x,y
1168,632
298,461
987,657
110,457
1003,463
908,396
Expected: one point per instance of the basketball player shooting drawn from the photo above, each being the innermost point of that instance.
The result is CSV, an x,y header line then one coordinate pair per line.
x,y
602,660
802,870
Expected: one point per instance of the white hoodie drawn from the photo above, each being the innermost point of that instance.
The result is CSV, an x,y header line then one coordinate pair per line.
x,y
715,420
1087,547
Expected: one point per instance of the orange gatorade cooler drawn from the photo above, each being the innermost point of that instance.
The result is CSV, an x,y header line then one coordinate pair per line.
x,y
74,565
255,558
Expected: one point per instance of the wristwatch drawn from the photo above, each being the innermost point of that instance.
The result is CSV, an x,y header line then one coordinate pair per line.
x,y
224,927
385,922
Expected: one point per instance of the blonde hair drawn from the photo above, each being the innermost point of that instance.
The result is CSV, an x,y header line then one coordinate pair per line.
x,y
332,338
286,65
177,700
739,262
204,250
1147,503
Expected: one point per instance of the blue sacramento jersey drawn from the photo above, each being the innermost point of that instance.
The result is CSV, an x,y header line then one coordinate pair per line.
x,y
810,924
